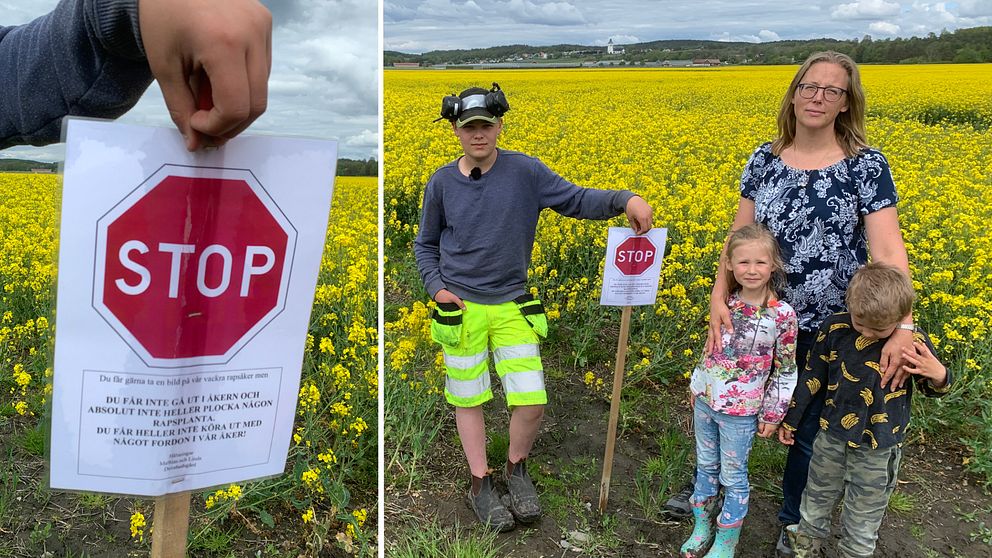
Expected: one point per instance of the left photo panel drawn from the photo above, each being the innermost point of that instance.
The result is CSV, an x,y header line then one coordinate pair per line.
x,y
189,267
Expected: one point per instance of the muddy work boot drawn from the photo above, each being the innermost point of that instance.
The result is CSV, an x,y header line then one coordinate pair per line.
x,y
703,533
522,499
678,506
488,508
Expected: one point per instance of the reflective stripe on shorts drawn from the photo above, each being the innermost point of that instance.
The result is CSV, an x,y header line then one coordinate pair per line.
x,y
516,351
523,382
465,362
467,389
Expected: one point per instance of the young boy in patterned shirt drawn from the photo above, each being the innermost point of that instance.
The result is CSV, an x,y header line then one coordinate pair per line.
x,y
859,448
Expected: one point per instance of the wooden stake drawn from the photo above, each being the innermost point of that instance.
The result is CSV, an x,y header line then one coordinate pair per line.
x,y
170,525
611,434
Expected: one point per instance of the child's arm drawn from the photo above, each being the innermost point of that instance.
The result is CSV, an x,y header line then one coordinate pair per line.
x,y
782,381
932,377
811,380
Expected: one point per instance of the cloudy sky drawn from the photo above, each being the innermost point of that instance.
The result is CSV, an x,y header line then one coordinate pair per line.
x,y
416,26
324,80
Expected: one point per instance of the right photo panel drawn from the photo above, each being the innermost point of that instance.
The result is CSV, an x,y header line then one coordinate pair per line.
x,y
696,279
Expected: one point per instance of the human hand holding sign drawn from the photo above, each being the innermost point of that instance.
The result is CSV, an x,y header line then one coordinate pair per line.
x,y
220,49
639,214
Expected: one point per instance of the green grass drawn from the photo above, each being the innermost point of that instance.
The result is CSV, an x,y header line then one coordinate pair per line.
x,y
560,497
93,500
918,532
766,465
661,475
431,540
33,440
9,480
498,448
41,532
902,503
412,422
214,540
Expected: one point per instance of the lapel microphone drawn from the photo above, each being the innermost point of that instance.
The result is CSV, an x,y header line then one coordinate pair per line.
x,y
475,174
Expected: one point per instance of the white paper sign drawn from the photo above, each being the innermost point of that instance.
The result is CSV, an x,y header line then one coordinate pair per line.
x,y
633,267
185,286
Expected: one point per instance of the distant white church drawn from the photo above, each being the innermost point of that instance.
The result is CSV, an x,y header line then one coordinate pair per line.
x,y
614,49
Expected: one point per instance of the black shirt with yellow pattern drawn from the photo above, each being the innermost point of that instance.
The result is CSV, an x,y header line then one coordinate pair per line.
x,y
856,409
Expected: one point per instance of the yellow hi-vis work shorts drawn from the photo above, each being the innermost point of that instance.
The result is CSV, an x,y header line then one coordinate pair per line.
x,y
467,336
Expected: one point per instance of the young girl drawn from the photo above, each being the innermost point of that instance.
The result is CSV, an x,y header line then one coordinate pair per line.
x,y
742,389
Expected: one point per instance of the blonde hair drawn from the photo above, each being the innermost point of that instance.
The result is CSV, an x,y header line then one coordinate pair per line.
x,y
756,232
849,125
880,295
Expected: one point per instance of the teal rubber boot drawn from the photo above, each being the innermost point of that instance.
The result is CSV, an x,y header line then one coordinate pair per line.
x,y
702,532
725,542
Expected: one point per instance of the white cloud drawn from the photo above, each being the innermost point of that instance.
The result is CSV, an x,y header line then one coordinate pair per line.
x,y
367,138
455,13
933,14
975,8
727,37
544,13
866,9
767,35
395,11
618,40
884,28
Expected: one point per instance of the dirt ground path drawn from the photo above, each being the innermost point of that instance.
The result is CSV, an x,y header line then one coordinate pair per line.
x,y
941,508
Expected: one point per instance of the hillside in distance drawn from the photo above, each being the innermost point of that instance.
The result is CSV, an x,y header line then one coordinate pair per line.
x,y
972,45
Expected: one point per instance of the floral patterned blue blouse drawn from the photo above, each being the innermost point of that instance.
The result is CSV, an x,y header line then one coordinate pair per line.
x,y
818,218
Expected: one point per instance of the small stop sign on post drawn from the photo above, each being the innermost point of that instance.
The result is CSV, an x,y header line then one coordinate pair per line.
x,y
192,264
635,255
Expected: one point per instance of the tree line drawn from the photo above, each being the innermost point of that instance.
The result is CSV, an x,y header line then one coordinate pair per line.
x,y
972,45
353,167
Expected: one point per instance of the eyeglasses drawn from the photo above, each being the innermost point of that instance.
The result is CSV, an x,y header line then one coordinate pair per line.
x,y
830,94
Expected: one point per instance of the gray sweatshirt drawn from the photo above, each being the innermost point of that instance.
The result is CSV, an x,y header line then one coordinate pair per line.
x,y
84,58
476,236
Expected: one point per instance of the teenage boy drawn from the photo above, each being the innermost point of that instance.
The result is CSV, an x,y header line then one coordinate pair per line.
x,y
857,452
473,249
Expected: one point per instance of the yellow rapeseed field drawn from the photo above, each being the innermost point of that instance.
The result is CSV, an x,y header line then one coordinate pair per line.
x,y
680,138
330,490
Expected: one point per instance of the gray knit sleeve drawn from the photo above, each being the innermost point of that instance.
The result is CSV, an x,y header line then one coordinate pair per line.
x,y
427,245
574,201
84,58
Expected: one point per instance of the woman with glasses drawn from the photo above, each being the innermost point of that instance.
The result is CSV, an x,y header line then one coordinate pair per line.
x,y
830,201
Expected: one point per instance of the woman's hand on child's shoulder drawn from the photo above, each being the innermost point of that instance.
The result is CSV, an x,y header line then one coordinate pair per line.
x,y
719,317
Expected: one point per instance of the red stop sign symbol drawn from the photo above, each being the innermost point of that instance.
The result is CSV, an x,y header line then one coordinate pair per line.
x,y
635,255
192,264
